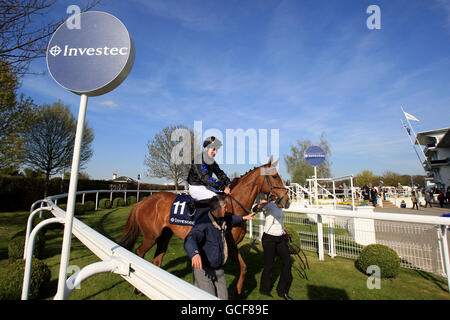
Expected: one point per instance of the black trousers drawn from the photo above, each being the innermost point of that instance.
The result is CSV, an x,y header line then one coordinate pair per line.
x,y
276,245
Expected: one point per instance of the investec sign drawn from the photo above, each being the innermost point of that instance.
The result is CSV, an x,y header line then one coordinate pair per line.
x,y
88,51
93,59
315,156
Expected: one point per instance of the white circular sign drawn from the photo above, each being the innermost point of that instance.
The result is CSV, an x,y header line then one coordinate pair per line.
x,y
92,59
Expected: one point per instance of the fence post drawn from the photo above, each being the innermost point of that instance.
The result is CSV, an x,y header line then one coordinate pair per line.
x,y
331,239
96,200
320,236
444,243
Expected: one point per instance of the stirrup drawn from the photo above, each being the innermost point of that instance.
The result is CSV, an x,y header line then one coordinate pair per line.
x,y
191,208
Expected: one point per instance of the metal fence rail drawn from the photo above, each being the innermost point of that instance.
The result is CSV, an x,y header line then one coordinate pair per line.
x,y
420,241
154,282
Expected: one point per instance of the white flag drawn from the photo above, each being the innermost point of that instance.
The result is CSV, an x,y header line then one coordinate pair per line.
x,y
410,116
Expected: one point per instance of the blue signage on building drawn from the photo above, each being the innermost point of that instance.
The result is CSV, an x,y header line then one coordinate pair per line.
x,y
93,59
315,156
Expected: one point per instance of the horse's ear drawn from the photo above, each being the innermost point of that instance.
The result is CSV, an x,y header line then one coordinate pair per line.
x,y
275,163
269,164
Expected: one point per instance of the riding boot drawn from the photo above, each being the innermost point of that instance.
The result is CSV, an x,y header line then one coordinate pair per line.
x,y
197,204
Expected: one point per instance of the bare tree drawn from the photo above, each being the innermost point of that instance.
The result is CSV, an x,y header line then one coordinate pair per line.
x,y
170,154
22,38
49,144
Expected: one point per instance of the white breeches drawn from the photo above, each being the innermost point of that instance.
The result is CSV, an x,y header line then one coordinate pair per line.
x,y
201,192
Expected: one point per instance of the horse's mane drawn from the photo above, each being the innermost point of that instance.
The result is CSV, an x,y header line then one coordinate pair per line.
x,y
235,181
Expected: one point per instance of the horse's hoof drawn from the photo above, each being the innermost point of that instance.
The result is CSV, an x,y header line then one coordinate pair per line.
x,y
235,296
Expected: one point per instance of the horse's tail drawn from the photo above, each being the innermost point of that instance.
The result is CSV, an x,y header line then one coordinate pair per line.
x,y
131,231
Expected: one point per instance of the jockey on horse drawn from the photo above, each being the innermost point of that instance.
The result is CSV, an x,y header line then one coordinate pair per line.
x,y
202,186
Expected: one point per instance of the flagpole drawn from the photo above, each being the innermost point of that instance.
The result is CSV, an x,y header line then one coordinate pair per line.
x,y
407,119
415,138
412,144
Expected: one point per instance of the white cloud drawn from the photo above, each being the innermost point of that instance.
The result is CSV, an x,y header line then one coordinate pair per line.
x,y
193,14
109,103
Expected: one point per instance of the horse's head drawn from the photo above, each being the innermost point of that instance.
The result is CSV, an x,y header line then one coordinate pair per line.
x,y
272,184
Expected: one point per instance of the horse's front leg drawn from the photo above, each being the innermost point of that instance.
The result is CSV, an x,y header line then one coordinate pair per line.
x,y
243,272
235,255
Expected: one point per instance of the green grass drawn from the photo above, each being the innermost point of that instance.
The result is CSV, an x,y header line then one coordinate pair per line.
x,y
336,279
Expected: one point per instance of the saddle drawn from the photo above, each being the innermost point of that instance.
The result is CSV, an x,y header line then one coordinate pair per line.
x,y
179,212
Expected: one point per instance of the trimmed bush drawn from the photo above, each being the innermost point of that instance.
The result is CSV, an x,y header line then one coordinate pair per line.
x,y
11,279
17,243
79,209
131,200
294,240
382,256
89,206
118,202
19,193
105,203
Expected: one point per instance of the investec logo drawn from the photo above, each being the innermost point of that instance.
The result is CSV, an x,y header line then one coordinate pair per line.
x,y
314,156
74,52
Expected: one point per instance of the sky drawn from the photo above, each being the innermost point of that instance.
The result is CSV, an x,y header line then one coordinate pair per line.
x,y
295,67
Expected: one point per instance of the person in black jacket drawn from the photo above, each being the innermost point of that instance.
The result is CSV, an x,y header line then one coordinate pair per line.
x,y
202,185
205,244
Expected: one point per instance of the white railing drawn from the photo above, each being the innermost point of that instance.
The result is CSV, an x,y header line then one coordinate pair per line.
x,y
421,241
111,192
152,281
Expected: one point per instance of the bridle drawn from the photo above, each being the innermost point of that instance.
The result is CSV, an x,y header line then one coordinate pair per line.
x,y
270,195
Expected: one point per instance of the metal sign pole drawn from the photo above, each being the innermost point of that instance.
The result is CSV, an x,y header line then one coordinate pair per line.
x,y
316,191
353,195
67,239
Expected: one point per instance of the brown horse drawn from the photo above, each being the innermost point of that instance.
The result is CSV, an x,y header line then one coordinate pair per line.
x,y
150,217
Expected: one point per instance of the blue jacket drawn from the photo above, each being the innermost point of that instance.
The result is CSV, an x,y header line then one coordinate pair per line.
x,y
206,240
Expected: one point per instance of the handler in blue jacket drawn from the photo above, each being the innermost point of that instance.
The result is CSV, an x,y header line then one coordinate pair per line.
x,y
206,246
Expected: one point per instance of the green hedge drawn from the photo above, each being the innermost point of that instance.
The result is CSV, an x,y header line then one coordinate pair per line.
x,y
11,279
17,243
294,243
131,200
89,206
382,256
80,208
118,202
105,203
19,192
